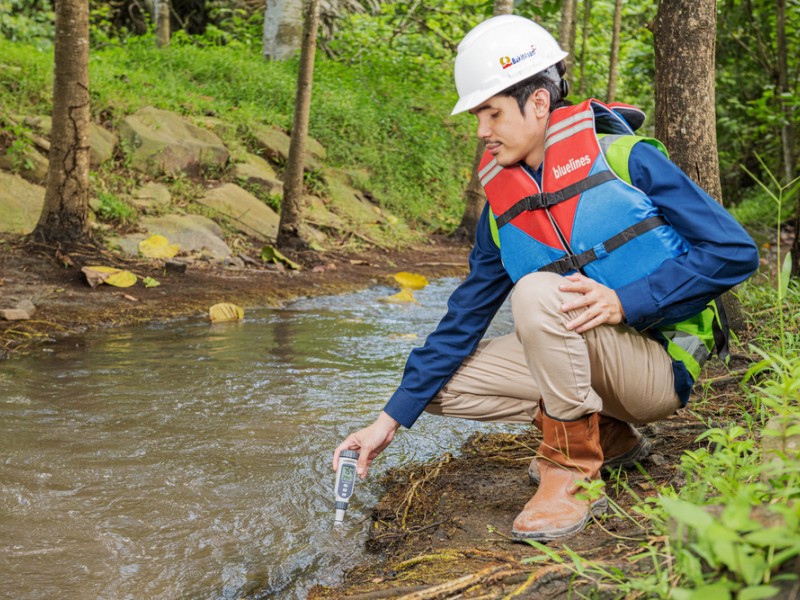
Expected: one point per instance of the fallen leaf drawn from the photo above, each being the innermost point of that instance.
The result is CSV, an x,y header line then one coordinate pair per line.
x,y
157,246
96,275
411,280
404,295
225,311
270,254
149,282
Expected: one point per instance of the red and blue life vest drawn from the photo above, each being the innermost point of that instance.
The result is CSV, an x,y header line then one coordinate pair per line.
x,y
584,217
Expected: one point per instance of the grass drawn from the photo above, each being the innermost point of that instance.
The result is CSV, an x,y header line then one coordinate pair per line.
x,y
372,119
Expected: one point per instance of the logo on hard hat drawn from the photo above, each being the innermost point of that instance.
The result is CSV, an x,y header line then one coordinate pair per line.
x,y
507,61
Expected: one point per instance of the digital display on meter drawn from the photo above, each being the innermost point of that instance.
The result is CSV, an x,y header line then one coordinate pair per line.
x,y
346,479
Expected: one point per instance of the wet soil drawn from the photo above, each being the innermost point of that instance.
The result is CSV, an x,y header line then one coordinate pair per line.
x,y
65,303
441,530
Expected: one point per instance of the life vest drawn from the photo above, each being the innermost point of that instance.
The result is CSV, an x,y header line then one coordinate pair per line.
x,y
584,217
587,216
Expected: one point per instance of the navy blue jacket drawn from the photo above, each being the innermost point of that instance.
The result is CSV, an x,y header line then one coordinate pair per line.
x,y
721,255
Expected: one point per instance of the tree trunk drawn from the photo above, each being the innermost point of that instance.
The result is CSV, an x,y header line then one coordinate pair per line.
x,y
788,128
614,58
587,13
474,196
283,28
787,131
66,202
162,23
292,204
684,36
573,32
565,27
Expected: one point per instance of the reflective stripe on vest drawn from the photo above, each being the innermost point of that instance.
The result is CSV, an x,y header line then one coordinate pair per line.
x,y
585,217
691,341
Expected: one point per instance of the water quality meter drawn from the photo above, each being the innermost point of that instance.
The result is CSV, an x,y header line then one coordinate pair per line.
x,y
345,482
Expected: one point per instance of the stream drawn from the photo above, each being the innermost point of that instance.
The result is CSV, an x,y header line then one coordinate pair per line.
x,y
191,460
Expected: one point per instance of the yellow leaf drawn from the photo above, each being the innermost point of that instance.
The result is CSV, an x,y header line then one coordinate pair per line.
x,y
96,275
121,279
270,254
157,246
404,295
225,311
411,280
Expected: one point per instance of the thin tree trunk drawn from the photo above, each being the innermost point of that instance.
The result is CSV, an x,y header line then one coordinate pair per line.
x,y
162,23
787,131
66,202
474,196
292,205
788,128
573,32
587,12
565,28
614,58
684,35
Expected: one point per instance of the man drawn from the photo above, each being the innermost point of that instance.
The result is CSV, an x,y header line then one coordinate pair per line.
x,y
614,256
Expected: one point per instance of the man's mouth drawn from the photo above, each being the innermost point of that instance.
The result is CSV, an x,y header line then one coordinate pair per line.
x,y
493,147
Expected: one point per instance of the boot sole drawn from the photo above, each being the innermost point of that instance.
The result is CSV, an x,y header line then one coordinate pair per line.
x,y
597,509
625,460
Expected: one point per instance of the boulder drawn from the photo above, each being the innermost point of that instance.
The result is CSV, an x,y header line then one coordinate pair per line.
x,y
152,197
160,142
274,144
101,145
196,234
255,170
101,141
21,204
349,203
32,165
246,213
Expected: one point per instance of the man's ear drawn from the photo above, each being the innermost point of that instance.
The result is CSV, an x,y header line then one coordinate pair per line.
x,y
540,99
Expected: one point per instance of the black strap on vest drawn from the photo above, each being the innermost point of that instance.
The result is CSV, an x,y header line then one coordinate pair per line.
x,y
721,329
548,199
578,261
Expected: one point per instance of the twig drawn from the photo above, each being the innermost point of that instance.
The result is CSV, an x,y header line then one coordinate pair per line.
x,y
536,576
456,585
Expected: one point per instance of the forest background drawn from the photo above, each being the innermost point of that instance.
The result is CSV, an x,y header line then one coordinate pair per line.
x,y
382,96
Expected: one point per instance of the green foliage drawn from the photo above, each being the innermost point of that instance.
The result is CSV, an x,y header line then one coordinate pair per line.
x,y
113,209
27,21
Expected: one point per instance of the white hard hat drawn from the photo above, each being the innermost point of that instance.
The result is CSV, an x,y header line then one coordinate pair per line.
x,y
500,52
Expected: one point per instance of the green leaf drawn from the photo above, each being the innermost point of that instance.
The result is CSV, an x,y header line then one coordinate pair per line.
x,y
756,592
687,513
772,536
149,282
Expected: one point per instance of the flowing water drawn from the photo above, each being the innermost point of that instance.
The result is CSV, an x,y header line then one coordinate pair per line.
x,y
189,460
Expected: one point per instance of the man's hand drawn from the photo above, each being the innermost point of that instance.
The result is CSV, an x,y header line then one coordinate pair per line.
x,y
601,303
370,442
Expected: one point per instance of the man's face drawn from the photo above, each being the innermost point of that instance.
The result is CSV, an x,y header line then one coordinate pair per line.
x,y
511,136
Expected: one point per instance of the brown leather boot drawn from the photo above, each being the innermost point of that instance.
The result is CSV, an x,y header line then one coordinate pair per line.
x,y
623,446
570,452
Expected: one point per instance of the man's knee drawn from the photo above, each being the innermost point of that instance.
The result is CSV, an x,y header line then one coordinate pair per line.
x,y
537,299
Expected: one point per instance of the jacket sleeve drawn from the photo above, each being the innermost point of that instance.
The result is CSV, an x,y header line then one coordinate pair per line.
x,y
470,310
721,254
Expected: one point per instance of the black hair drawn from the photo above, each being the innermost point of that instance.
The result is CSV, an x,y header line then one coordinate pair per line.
x,y
558,90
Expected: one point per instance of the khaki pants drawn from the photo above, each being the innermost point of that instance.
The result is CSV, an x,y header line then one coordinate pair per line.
x,y
611,369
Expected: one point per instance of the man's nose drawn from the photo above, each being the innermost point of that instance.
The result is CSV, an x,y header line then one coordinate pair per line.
x,y
484,132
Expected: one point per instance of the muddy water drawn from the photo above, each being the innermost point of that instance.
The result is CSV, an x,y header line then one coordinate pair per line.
x,y
192,460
